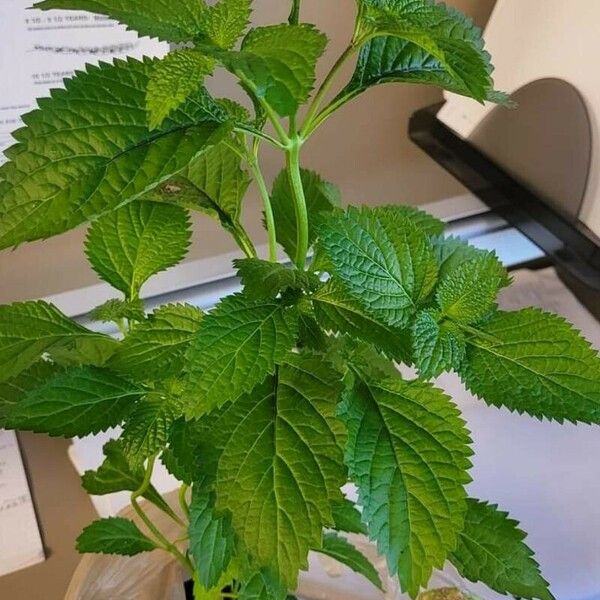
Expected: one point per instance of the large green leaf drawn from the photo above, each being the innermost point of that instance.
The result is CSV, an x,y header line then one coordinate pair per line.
x,y
77,402
340,549
282,466
116,474
212,542
114,535
491,550
155,349
279,61
386,268
29,329
534,362
408,452
14,390
87,150
321,197
419,41
336,311
129,245
237,346
173,80
155,18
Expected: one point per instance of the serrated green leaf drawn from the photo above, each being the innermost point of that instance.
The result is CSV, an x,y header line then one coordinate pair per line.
x,y
116,474
262,585
154,18
340,549
87,150
212,542
224,22
173,80
182,458
30,329
77,402
285,435
536,363
336,311
279,61
491,550
321,197
14,390
366,261
421,220
237,346
146,430
156,348
347,517
266,280
114,535
408,452
438,347
419,41
115,310
129,245
468,294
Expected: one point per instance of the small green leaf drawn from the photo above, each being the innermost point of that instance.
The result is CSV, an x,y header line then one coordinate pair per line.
x,y
30,329
116,474
154,18
285,434
408,452
114,535
347,517
183,458
14,390
146,430
130,245
212,542
343,551
266,280
491,550
87,150
237,346
336,311
468,294
77,402
534,362
365,260
280,62
419,219
419,41
155,349
224,22
321,197
262,585
438,347
115,310
173,80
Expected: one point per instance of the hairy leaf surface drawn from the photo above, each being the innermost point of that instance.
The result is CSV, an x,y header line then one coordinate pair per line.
x,y
29,329
321,197
282,466
408,452
129,245
536,363
114,535
77,402
87,150
237,346
156,348
491,550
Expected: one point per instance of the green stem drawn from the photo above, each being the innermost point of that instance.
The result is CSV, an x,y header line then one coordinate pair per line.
x,y
295,179
325,87
182,499
266,200
243,240
260,135
160,540
295,14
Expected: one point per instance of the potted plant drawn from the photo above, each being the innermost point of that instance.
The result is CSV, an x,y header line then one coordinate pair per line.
x,y
266,406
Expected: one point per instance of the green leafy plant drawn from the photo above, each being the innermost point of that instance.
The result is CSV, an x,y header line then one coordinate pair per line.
x,y
267,406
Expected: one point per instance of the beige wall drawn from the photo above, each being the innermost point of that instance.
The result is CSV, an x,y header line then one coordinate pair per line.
x,y
364,149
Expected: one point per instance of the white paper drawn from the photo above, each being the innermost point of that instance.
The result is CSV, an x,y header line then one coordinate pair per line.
x,y
20,541
40,48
